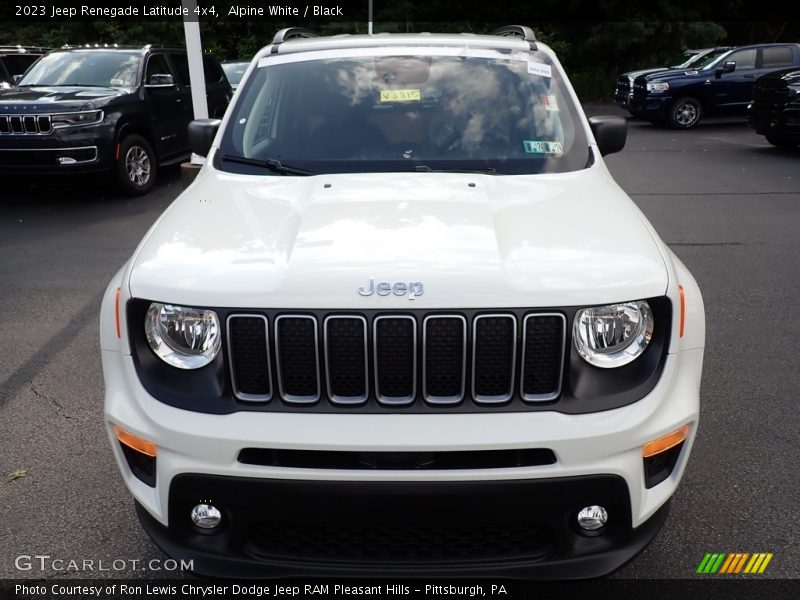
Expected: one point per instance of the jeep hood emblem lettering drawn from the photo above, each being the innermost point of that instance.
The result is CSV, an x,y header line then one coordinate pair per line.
x,y
398,288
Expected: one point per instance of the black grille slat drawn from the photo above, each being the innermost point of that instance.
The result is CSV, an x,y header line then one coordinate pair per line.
x,y
297,358
4,124
493,359
29,123
16,124
346,362
45,124
249,355
395,359
444,352
542,358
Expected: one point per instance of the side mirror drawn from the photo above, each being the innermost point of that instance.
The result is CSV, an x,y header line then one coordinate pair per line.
x,y
160,80
728,67
15,79
610,133
201,135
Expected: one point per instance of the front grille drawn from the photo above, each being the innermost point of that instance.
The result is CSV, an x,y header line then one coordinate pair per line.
x,y
397,360
26,124
770,98
422,543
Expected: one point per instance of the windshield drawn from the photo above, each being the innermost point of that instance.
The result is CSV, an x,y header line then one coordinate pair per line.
x,y
394,110
710,59
85,68
235,71
683,60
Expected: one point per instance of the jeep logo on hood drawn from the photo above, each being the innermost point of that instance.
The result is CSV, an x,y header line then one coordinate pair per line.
x,y
398,288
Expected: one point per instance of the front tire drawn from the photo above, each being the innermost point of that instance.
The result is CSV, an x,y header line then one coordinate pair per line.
x,y
136,166
685,113
780,142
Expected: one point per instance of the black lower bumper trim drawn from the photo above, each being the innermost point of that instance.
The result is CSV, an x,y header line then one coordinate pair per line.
x,y
511,528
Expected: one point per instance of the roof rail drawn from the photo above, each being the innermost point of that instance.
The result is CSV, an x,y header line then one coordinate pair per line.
x,y
521,31
290,33
24,49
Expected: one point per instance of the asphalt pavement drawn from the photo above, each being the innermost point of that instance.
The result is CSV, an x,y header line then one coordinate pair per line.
x,y
725,201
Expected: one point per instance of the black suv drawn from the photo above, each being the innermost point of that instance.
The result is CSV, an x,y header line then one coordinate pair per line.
x,y
775,110
120,109
15,60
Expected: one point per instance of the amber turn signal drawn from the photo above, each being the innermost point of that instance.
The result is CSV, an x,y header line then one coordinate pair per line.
x,y
663,444
135,442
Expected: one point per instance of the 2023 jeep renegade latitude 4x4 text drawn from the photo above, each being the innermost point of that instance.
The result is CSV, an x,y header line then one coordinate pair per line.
x,y
403,322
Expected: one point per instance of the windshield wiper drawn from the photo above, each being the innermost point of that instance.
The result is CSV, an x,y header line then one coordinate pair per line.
x,y
427,169
269,163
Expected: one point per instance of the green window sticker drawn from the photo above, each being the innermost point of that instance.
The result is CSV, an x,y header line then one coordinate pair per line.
x,y
537,147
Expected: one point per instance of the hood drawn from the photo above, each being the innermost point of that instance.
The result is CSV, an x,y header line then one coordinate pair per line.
x,y
674,74
635,74
48,98
311,242
791,75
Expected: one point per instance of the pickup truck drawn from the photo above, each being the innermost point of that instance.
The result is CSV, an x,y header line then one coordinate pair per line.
x,y
722,87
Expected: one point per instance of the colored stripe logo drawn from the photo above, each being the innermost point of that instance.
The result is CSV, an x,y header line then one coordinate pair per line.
x,y
733,563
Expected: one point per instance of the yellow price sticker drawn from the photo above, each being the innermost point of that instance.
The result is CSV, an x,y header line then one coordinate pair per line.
x,y
400,96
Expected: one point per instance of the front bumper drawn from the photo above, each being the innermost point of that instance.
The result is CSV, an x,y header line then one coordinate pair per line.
x,y
650,107
72,150
520,528
784,123
198,456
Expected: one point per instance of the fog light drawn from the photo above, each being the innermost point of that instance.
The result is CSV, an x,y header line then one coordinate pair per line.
x,y
592,518
206,516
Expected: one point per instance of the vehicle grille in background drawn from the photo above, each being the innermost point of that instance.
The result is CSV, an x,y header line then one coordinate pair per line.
x,y
396,360
770,97
22,124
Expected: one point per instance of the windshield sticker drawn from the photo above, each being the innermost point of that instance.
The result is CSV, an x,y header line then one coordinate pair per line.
x,y
550,102
537,147
400,96
537,68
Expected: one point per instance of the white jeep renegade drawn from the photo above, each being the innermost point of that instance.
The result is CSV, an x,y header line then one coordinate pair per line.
x,y
403,322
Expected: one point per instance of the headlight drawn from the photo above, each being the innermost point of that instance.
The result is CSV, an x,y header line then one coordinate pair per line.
x,y
658,87
187,338
87,117
614,335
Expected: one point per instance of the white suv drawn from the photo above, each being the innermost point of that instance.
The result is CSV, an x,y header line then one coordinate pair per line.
x,y
405,322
